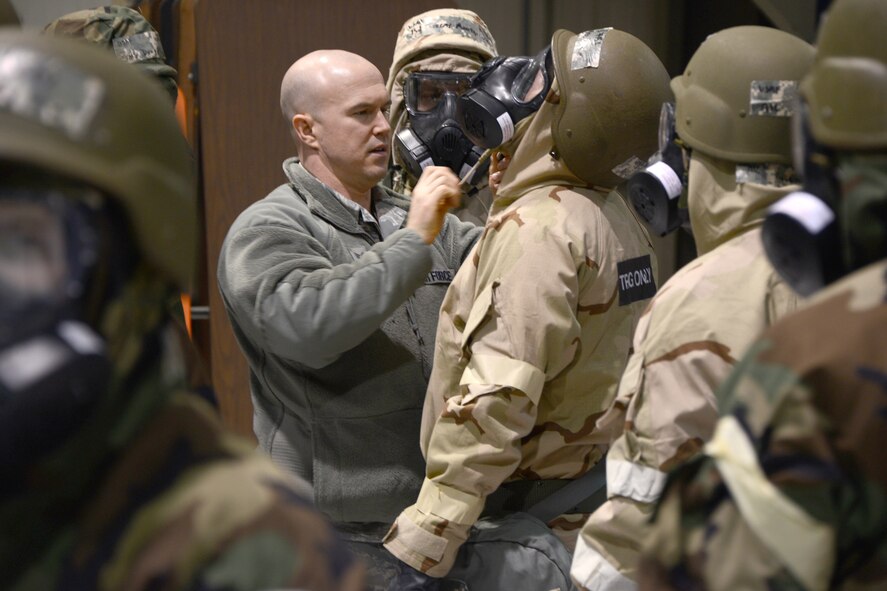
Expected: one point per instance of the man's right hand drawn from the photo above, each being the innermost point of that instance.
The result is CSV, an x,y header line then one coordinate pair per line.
x,y
436,192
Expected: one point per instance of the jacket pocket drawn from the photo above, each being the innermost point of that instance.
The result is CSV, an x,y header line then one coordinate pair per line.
x,y
481,310
367,469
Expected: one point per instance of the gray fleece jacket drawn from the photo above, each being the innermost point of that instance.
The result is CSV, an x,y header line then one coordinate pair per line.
x,y
338,327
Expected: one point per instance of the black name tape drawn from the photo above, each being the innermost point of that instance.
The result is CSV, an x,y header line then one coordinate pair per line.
x,y
439,276
636,281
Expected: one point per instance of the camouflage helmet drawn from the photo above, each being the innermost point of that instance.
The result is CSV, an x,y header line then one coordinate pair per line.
x,y
846,90
735,99
444,30
612,87
126,32
80,113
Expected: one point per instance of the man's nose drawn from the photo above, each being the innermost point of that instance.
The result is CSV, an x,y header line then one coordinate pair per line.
x,y
381,125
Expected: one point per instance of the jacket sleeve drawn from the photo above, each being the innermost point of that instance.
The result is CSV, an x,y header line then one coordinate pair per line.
x,y
281,288
670,410
521,331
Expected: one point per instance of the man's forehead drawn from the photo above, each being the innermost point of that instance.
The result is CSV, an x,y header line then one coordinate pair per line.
x,y
363,94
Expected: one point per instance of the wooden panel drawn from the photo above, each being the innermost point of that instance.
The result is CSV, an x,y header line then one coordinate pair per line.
x,y
243,50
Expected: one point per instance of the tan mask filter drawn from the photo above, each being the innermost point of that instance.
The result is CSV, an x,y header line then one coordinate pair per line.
x,y
463,182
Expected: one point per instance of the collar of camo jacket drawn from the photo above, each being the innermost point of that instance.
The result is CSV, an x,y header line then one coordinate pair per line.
x,y
727,199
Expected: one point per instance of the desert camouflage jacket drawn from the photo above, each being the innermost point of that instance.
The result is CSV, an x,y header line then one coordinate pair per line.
x,y
698,325
792,490
533,335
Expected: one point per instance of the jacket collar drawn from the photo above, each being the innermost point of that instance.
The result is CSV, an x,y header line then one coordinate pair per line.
x,y
323,202
720,207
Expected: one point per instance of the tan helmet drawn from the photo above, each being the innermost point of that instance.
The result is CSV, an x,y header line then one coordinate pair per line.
x,y
444,30
846,90
735,99
74,110
612,87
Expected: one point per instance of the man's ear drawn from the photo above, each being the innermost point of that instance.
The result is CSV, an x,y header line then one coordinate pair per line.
x,y
303,127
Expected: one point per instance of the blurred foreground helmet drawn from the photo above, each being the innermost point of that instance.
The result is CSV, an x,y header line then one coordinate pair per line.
x,y
847,87
92,166
612,87
734,102
77,112
8,15
838,223
126,32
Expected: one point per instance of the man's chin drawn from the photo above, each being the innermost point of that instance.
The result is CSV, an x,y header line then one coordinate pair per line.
x,y
376,173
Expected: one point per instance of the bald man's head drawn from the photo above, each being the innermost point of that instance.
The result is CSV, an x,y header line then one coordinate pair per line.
x,y
336,105
320,77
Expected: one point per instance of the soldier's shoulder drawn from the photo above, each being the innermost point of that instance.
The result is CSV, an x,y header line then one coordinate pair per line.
x,y
850,306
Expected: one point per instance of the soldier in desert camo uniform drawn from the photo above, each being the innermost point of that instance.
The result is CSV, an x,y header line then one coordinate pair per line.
x,y
792,490
706,315
535,329
434,57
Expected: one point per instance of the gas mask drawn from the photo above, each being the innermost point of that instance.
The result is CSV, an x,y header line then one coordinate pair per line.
x,y
800,234
433,136
506,90
52,365
836,225
659,192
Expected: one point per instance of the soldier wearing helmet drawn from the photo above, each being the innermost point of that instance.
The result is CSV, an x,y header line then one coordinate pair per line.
x,y
792,489
434,57
724,144
126,32
535,329
112,474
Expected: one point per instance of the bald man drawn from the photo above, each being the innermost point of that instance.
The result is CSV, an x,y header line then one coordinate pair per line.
x,y
333,285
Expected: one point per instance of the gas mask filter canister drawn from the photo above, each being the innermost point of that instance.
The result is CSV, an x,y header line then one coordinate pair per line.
x,y
655,192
